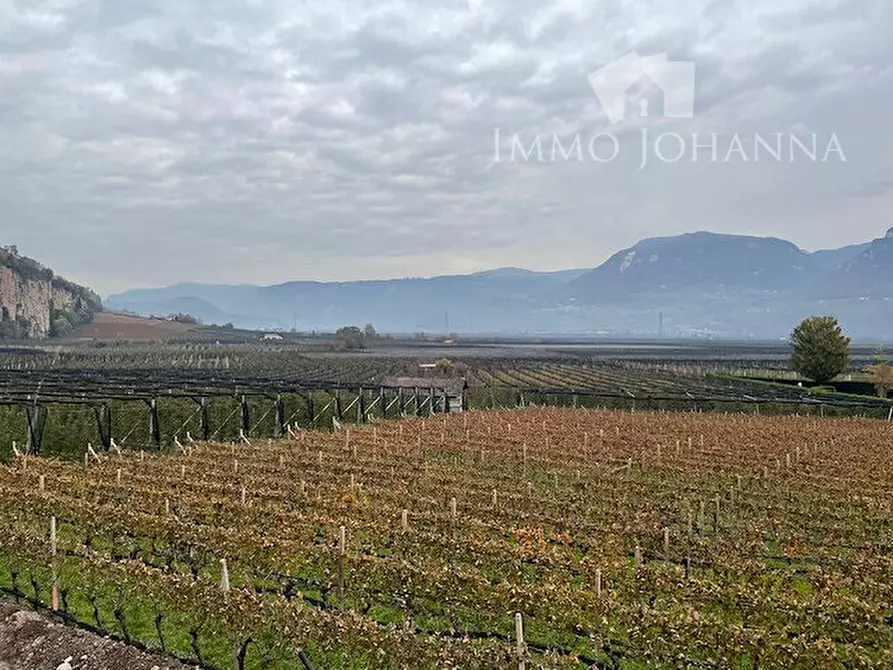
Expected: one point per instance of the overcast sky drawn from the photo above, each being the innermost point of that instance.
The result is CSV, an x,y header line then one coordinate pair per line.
x,y
147,142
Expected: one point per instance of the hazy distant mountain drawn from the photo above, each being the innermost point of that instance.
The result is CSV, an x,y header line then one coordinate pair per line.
x,y
831,259
704,283
694,264
495,299
868,274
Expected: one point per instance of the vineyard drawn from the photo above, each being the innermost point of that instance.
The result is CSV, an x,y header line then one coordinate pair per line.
x,y
151,396
539,537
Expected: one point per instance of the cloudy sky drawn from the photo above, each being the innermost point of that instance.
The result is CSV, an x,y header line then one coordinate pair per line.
x,y
146,142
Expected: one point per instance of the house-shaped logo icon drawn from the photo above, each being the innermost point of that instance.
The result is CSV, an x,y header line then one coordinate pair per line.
x,y
676,79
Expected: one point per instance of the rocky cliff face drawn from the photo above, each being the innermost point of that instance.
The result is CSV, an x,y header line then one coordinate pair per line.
x,y
34,303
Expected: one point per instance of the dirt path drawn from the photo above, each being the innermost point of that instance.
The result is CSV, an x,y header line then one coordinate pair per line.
x,y
29,641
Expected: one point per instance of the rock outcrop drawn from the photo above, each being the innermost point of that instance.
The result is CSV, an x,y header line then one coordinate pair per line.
x,y
35,303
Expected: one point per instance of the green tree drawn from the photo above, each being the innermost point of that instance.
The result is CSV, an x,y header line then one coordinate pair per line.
x,y
60,326
881,373
350,337
369,332
821,350
445,368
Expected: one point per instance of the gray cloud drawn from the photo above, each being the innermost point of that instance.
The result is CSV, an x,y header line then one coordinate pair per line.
x,y
143,143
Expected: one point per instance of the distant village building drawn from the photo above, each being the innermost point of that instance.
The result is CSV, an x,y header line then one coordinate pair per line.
x,y
275,337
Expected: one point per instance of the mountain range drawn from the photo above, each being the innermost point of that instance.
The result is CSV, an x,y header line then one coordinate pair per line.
x,y
698,283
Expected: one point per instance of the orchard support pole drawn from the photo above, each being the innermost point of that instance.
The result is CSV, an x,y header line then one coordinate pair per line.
x,y
37,417
104,425
280,416
338,411
154,424
205,419
246,416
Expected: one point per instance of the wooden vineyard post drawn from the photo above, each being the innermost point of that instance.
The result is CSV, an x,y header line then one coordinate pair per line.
x,y
638,558
224,587
404,521
42,483
55,566
521,647
598,583
342,549
224,576
666,543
